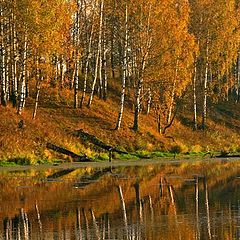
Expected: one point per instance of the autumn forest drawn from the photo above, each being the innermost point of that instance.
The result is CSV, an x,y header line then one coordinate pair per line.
x,y
156,62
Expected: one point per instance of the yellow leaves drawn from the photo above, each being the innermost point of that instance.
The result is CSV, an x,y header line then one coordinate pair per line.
x,y
45,21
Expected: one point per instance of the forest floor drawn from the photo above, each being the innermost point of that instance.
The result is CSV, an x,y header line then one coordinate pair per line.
x,y
57,120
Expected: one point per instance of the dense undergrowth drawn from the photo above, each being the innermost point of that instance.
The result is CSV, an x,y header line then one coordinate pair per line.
x,y
57,121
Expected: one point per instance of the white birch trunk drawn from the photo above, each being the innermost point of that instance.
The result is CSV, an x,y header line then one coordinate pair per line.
x,y
100,55
76,81
14,57
173,94
138,99
149,101
144,49
38,87
124,71
8,59
98,58
87,65
62,73
113,36
195,98
204,113
23,76
3,59
105,80
77,60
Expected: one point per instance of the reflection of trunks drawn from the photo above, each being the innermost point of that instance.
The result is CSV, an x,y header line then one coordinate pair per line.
x,y
183,200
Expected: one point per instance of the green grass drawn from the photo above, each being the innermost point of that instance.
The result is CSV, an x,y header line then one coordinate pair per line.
x,y
126,156
5,163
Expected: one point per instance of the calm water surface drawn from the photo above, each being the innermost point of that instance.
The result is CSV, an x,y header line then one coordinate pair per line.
x,y
198,200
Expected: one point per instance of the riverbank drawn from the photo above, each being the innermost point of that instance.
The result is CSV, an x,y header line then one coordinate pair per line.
x,y
118,163
23,140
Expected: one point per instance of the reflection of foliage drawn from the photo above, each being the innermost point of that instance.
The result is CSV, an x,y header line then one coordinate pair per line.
x,y
27,188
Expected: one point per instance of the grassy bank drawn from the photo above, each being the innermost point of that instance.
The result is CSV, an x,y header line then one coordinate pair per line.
x,y
57,121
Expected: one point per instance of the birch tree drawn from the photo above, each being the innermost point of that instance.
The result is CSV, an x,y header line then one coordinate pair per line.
x,y
124,67
214,24
171,72
98,61
144,40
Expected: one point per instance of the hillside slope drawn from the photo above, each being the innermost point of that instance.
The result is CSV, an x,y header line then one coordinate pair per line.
x,y
56,122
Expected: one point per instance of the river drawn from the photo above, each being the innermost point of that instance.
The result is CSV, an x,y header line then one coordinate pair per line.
x,y
175,200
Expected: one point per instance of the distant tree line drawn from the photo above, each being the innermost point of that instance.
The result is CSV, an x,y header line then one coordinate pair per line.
x,y
155,49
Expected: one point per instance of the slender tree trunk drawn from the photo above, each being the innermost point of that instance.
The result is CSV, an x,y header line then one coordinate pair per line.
x,y
87,65
138,202
173,202
149,101
144,49
159,126
62,73
73,71
76,58
56,71
195,98
123,209
207,209
124,71
113,39
197,208
79,230
23,76
86,224
76,81
39,222
14,62
95,226
98,54
105,80
137,104
101,57
25,224
204,114
8,59
173,94
38,87
3,58
161,192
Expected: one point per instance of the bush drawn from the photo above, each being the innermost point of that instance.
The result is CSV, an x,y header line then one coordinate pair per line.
x,y
180,148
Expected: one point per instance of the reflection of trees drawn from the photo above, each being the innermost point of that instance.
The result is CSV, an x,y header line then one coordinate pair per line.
x,y
207,208
148,200
197,207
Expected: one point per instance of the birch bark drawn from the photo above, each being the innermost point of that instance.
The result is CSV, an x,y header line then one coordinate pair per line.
x,y
3,56
98,57
89,52
204,113
144,51
124,71
195,97
23,78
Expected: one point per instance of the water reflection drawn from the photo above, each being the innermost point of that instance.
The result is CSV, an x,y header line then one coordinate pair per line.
x,y
181,201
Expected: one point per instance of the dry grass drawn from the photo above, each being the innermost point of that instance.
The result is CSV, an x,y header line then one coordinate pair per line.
x,y
57,120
